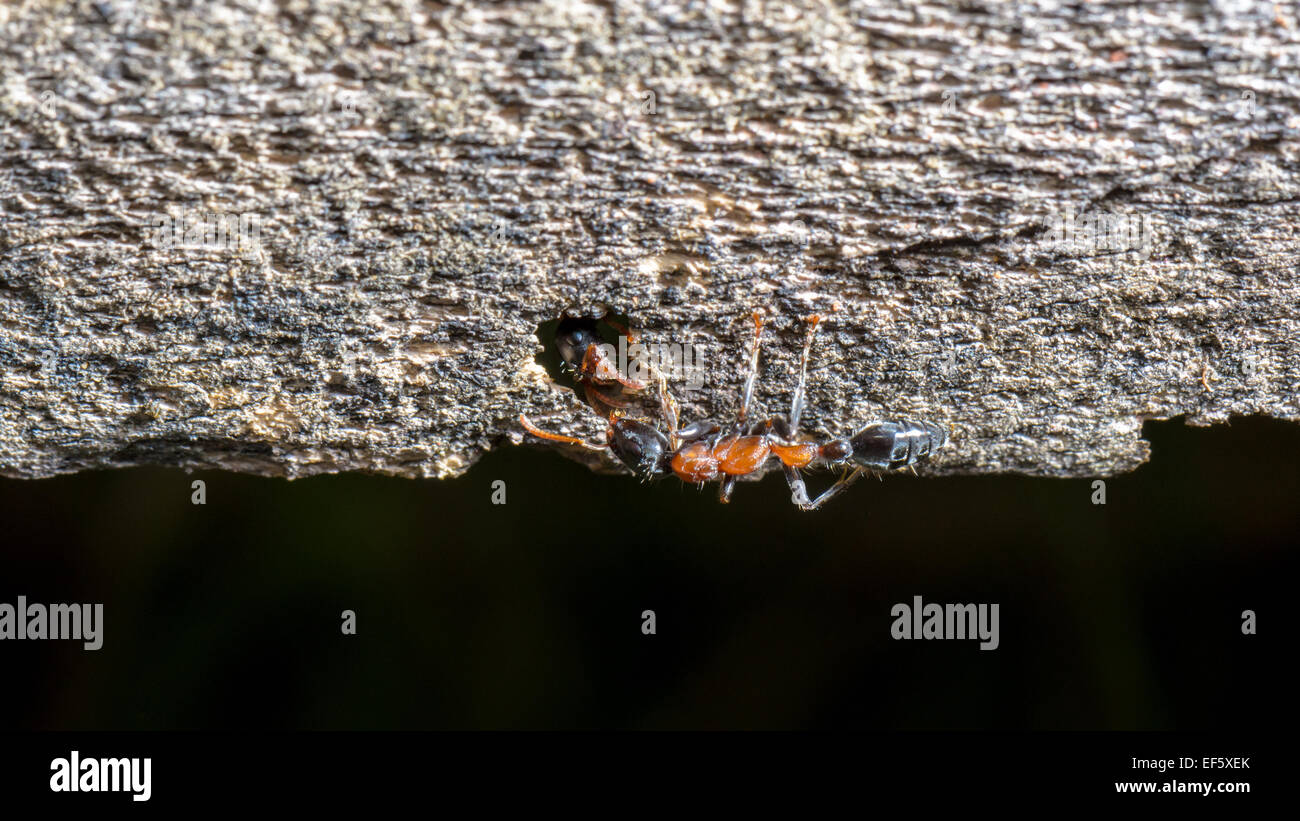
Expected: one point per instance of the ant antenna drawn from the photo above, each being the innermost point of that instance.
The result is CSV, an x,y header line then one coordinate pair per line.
x,y
556,437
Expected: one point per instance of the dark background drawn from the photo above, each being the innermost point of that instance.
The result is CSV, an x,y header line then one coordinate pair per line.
x,y
527,615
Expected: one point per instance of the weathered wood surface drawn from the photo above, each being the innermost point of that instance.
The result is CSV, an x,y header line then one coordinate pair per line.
x,y
429,182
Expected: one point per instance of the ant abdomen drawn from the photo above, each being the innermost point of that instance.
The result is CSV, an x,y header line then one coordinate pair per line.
x,y
894,445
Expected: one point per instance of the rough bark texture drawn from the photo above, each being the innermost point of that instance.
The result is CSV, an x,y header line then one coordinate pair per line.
x,y
432,181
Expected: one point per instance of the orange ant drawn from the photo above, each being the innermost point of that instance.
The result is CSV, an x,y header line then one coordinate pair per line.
x,y
705,452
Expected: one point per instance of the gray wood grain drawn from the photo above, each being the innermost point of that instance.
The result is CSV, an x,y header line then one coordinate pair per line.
x,y
423,184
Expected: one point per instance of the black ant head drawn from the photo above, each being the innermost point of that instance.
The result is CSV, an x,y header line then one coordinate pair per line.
x,y
572,338
640,446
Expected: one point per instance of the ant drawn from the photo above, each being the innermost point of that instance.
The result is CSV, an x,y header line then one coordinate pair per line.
x,y
605,388
705,452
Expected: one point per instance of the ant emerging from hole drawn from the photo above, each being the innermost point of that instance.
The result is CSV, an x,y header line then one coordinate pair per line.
x,y
604,387
705,451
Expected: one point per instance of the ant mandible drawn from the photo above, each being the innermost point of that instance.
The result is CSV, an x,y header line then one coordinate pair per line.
x,y
705,452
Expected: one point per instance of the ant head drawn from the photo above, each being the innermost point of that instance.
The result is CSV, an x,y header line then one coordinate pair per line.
x,y
640,446
572,338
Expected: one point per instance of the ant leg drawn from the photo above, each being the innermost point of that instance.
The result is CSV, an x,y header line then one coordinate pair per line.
x,y
751,375
798,490
790,431
835,489
555,437
724,492
796,402
598,396
667,404
668,409
746,396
